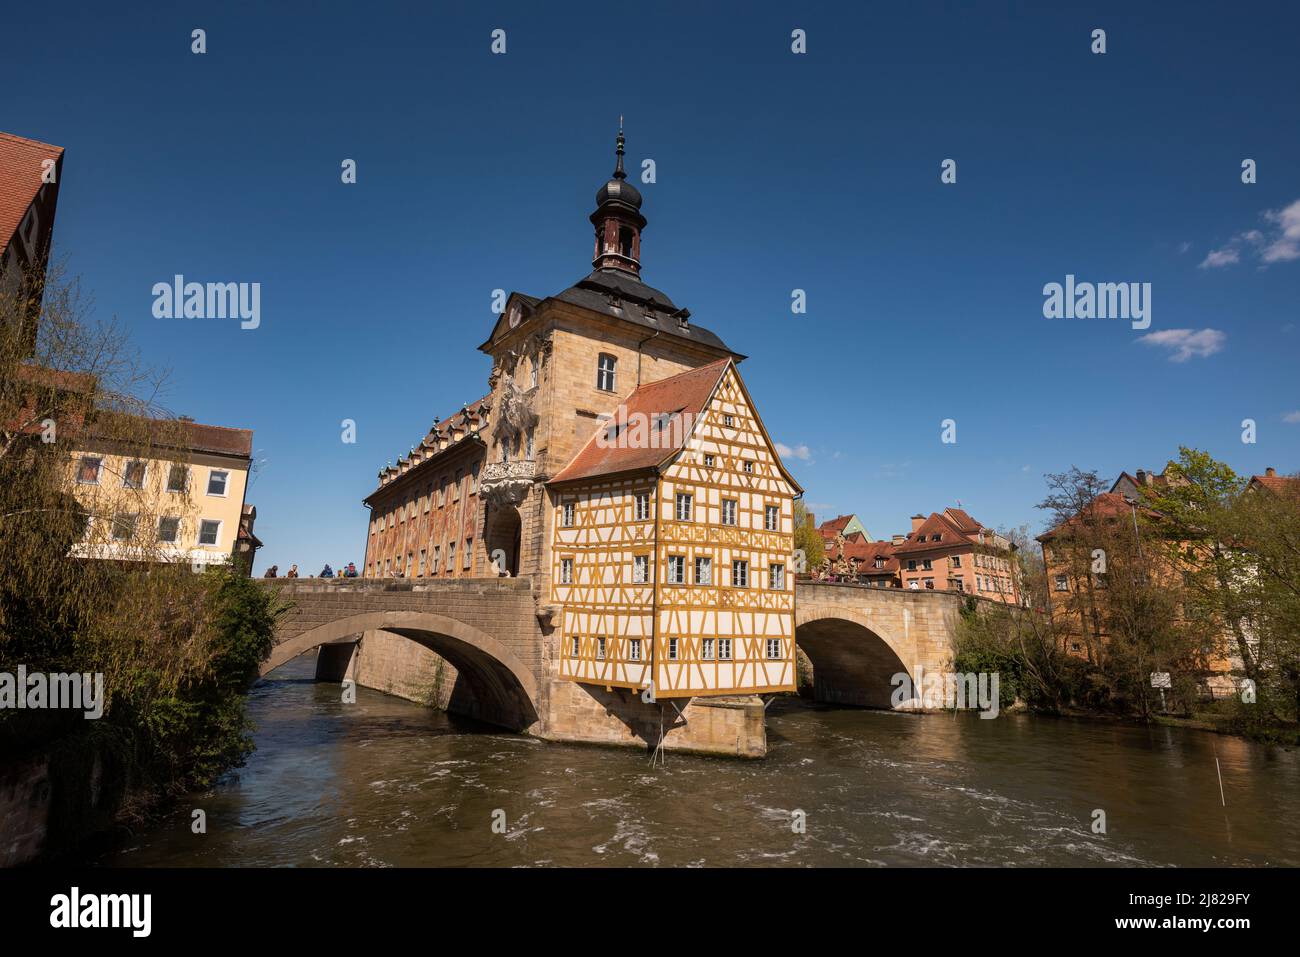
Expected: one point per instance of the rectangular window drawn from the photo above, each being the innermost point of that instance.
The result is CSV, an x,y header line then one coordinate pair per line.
x,y
419,570
708,461
473,480
703,571
672,649
728,511
567,520
683,507
740,574
634,649
169,529
410,564
774,648
771,516
469,552
724,649
600,647
956,561
442,491
437,557
428,497
927,565
566,571
677,569
706,649
451,558
576,649
640,569
178,478
728,421
749,467
209,529
133,475
776,576
605,367
1062,583
641,508
217,480
911,564
89,469
455,489
124,526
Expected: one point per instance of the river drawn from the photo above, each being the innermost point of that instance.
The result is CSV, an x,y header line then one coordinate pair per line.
x,y
384,782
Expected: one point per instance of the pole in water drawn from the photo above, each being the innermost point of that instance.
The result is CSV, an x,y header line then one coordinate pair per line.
x,y
1219,772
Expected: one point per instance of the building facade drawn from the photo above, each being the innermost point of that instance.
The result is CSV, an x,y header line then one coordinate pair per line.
x,y
951,551
608,410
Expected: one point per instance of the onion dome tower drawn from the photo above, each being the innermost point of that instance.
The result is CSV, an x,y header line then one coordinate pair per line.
x,y
618,220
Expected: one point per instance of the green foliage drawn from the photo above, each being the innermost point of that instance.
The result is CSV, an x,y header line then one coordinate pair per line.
x,y
807,538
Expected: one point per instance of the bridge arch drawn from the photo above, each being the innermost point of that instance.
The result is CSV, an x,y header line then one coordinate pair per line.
x,y
504,690
854,657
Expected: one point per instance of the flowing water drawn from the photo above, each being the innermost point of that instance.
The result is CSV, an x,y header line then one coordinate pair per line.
x,y
384,782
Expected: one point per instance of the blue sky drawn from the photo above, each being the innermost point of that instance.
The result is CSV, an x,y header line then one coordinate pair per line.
x,y
775,171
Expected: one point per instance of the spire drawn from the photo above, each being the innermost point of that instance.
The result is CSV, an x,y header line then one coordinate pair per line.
x,y
619,172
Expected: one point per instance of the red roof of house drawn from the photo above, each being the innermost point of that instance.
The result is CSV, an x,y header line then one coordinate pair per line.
x,y
193,436
686,392
1276,483
20,179
962,519
1106,505
937,524
830,529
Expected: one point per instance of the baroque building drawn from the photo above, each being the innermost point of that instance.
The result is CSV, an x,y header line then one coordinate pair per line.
x,y
619,463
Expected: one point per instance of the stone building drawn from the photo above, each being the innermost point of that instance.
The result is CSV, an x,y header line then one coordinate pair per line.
x,y
495,489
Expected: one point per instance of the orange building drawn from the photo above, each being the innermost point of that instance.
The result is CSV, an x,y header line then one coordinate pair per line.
x,y
950,551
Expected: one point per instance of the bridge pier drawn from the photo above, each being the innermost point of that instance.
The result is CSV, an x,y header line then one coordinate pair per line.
x,y
334,662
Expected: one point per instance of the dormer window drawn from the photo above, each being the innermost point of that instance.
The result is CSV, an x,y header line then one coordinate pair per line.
x,y
605,367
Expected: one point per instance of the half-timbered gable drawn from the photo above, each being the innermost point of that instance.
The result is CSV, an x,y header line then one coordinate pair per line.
x,y
673,536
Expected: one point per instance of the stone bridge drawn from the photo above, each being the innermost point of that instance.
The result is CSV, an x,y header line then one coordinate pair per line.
x,y
478,646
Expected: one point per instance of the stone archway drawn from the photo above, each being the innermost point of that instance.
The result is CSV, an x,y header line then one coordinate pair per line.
x,y
852,663
503,535
499,688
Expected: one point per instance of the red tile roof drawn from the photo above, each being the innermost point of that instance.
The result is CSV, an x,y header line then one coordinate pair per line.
x,y
192,436
687,392
962,519
20,179
1276,483
833,527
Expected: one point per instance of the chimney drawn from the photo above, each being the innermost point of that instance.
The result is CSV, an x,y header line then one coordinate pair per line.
x,y
1270,471
917,521
899,539
1141,477
812,519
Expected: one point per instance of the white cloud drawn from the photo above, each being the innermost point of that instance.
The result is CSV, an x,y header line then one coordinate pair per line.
x,y
1292,418
1220,257
798,452
1280,243
1186,343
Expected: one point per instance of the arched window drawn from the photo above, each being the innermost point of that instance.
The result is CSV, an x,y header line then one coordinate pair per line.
x,y
605,372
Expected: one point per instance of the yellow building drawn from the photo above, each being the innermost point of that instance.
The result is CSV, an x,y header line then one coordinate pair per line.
x,y
672,544
160,490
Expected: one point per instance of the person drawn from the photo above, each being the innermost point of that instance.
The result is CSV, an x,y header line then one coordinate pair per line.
x,y
352,570
327,572
273,571
293,572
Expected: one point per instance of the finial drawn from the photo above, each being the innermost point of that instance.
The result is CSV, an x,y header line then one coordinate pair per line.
x,y
619,173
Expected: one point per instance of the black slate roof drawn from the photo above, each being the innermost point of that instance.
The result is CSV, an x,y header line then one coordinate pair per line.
x,y
620,294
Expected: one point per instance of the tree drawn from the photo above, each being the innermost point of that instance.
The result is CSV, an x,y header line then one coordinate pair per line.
x,y
806,538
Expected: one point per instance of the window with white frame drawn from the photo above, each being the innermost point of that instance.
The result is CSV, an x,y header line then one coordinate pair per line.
x,y
728,421
640,569
437,557
576,648
708,461
566,571
703,570
774,648
178,478
641,506
724,649
672,649
706,649
683,507
209,529
728,511
634,649
217,482
169,529
740,573
1062,583
605,366
88,470
469,552
771,517
133,474
748,466
124,526
600,647
567,515
677,569
776,576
